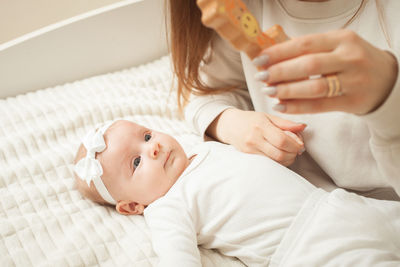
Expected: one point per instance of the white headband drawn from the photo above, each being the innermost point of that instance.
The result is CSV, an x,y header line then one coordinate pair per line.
x,y
89,168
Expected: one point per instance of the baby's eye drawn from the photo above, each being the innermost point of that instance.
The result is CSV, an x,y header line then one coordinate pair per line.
x,y
147,137
136,162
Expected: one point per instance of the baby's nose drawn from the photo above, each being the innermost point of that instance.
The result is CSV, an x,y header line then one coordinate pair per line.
x,y
154,150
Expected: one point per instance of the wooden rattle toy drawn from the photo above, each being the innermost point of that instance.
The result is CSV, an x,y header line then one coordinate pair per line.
x,y
233,21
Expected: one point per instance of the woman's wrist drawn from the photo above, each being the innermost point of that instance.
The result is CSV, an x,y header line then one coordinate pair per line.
x,y
381,119
390,82
219,128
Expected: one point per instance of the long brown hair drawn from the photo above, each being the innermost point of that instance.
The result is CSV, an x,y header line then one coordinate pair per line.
x,y
189,40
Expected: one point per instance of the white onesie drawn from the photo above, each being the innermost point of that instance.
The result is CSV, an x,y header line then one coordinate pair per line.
x,y
250,207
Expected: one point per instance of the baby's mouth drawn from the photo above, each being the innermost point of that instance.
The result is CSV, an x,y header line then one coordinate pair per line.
x,y
167,157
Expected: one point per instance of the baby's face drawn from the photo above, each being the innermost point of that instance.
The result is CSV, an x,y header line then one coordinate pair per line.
x,y
139,164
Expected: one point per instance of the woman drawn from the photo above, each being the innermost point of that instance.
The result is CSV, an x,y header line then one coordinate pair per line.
x,y
338,75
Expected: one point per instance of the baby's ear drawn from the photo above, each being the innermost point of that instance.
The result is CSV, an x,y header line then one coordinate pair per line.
x,y
129,208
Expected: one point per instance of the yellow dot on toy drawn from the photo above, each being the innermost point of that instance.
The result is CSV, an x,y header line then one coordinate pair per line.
x,y
222,9
249,24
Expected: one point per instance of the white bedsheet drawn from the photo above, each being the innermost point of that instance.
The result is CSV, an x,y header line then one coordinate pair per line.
x,y
44,221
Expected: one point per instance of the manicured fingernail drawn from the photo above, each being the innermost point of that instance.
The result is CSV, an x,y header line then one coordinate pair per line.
x,y
302,150
269,90
279,107
261,76
298,140
260,60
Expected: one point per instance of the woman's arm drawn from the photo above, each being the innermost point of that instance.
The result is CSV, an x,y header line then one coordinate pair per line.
x,y
384,125
369,81
227,117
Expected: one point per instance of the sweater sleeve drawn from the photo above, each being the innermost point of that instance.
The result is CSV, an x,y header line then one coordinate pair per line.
x,y
173,234
384,125
222,69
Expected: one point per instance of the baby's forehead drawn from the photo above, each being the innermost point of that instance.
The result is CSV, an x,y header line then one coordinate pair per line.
x,y
122,127
119,139
123,124
120,135
127,123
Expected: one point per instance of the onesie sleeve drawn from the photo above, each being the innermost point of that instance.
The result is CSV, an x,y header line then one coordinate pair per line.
x,y
222,69
173,234
384,125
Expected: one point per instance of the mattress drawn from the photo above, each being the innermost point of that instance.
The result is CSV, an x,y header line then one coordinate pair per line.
x,y
44,221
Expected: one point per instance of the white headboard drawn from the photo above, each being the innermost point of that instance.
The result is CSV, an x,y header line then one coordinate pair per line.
x,y
118,36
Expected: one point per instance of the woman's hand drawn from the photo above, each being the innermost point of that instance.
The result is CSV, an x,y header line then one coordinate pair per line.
x,y
366,74
259,133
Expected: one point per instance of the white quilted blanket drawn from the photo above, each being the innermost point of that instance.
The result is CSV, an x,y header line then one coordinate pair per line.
x,y
44,221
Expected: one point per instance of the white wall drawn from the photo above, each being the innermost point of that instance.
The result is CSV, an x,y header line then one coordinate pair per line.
x,y
19,17
121,37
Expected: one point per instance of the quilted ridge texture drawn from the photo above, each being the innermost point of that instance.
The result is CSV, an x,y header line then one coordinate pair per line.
x,y
44,221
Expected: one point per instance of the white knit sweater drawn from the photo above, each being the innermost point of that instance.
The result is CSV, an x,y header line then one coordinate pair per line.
x,y
357,152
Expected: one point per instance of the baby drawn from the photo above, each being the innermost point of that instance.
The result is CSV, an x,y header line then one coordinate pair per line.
x,y
245,205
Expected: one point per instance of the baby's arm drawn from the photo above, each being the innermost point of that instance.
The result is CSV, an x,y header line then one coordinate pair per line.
x,y
173,234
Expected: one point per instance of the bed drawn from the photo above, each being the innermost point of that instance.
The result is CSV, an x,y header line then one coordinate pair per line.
x,y
49,99
55,84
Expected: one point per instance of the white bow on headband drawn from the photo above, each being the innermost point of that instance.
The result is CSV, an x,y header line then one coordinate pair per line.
x,y
89,168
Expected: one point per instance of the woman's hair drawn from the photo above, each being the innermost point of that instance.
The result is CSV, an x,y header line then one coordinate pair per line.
x,y
189,41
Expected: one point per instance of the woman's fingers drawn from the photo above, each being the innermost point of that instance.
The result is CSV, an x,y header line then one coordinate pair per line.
x,y
303,67
356,76
259,133
313,43
256,137
282,157
283,142
286,125
303,89
257,144
312,106
298,138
